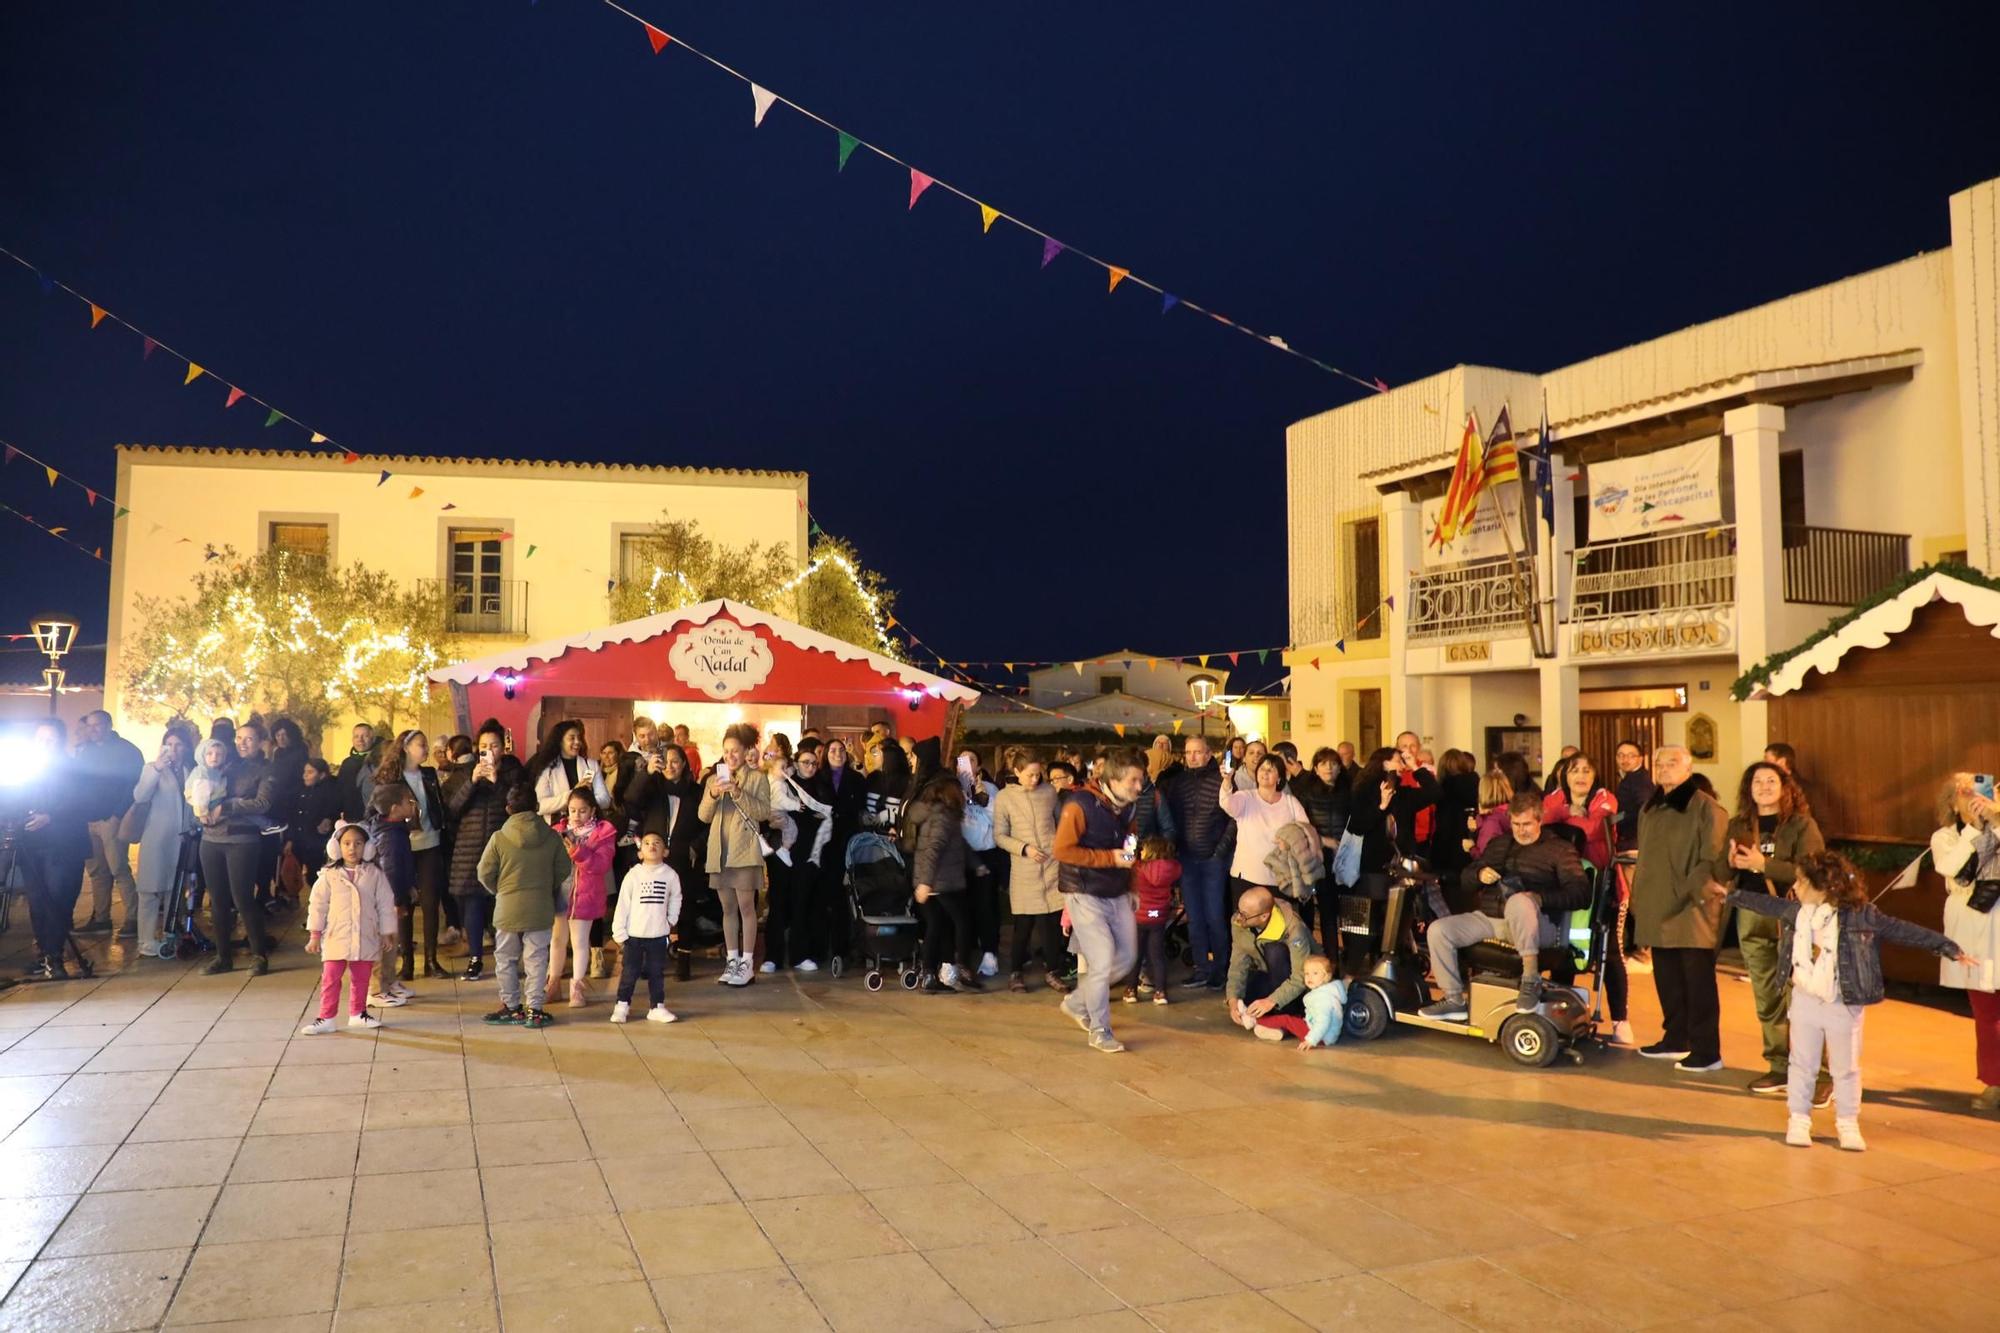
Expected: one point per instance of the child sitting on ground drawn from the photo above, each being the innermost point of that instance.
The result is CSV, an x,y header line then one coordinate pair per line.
x,y
649,904
1154,883
351,912
1832,943
1326,1009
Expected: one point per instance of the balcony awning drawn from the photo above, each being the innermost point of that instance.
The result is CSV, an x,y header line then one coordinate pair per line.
x,y
1874,627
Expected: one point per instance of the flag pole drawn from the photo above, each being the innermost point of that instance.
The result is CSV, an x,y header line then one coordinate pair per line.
x,y
1521,589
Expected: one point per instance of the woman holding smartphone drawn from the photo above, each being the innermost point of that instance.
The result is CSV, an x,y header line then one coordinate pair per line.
x,y
734,801
1966,852
1772,832
476,796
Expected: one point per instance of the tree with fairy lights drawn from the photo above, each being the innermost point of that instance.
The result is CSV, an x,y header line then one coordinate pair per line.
x,y
282,633
677,565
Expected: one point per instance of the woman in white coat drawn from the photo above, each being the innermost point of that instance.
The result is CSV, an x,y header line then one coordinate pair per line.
x,y
560,766
1966,852
1024,827
161,789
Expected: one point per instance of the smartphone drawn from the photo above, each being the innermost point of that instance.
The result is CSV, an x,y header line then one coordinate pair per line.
x,y
1983,784
722,770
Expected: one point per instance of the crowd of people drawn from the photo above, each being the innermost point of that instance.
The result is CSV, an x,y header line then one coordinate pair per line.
x,y
562,868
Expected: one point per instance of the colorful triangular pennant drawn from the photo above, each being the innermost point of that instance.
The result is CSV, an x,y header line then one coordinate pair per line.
x,y
53,474
1051,247
1340,645
761,98
919,182
1119,727
415,491
349,456
987,213
194,373
1177,726
235,396
317,438
89,497
446,506
273,417
97,314
1118,275
1168,301
383,479
848,143
657,38
121,511
147,352
531,550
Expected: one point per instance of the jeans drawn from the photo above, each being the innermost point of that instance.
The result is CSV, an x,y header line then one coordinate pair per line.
x,y
1836,1027
508,948
52,880
110,863
1769,979
1524,927
1277,970
1105,934
358,971
1685,980
1208,922
231,870
475,909
647,956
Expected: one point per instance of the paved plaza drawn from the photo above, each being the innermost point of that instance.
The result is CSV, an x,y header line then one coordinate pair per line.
x,y
804,1154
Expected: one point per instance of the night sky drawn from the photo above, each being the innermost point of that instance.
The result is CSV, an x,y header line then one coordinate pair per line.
x,y
491,228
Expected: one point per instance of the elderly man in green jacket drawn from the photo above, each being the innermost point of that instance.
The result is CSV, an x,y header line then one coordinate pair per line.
x,y
1268,948
1681,834
525,867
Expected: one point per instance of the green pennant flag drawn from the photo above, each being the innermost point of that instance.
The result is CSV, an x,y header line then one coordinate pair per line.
x,y
122,511
274,418
531,550
1262,653
847,146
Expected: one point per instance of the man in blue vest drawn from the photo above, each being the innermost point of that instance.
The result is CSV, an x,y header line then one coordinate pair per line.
x,y
1095,849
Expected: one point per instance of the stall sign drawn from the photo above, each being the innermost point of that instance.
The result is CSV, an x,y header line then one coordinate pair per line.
x,y
722,659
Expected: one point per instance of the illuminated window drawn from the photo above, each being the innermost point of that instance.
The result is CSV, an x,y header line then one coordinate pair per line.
x,y
300,540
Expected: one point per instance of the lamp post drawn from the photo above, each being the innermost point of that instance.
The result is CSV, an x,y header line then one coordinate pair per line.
x,y
55,636
1202,689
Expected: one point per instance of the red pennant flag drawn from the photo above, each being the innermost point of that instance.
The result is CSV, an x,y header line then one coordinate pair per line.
x,y
350,457
657,38
235,397
1232,659
919,182
505,537
1315,664
89,496
150,345
1381,386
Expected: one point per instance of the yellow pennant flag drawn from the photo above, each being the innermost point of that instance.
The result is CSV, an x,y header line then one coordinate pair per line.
x,y
415,491
194,373
1118,275
53,474
318,438
1010,667
1177,726
1079,668
986,215
97,313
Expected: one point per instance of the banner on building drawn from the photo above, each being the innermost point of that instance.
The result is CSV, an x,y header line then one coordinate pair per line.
x,y
1477,539
1674,488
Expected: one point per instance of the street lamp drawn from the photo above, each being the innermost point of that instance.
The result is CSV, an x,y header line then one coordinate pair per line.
x,y
1202,689
55,636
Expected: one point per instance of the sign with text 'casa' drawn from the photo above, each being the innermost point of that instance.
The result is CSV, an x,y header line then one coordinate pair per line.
x,y
721,659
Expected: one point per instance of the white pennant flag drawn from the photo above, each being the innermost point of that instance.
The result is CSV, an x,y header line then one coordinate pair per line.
x,y
1908,878
763,97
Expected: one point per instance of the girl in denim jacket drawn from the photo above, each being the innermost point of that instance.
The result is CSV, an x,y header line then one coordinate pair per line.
x,y
1831,946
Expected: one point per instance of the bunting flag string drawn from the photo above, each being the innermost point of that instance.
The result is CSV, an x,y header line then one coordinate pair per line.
x,y
763,99
59,533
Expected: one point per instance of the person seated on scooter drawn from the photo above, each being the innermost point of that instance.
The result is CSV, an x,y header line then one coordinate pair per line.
x,y
1268,948
1528,885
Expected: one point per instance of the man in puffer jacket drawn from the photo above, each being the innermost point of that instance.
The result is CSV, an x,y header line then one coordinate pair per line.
x,y
1203,838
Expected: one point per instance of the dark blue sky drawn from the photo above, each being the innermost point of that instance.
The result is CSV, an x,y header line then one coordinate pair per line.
x,y
485,227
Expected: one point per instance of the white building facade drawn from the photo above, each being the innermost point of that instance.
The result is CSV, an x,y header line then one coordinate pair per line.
x,y
1718,494
523,550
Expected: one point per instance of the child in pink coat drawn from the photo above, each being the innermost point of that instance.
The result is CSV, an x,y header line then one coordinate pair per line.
x,y
1154,881
351,914
593,842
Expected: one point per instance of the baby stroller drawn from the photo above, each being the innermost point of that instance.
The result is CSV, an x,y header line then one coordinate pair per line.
x,y
884,924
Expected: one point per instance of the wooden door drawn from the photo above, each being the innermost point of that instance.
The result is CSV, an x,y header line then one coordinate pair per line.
x,y
1368,722
1603,731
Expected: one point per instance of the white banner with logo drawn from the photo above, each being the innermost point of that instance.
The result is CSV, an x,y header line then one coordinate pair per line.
x,y
1674,488
1480,539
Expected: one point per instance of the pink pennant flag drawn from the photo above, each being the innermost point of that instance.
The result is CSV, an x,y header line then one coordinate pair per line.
x,y
89,497
235,397
1051,247
919,182
150,345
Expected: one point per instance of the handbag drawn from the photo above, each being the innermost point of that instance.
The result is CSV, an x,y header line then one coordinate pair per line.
x,y
1347,859
1985,893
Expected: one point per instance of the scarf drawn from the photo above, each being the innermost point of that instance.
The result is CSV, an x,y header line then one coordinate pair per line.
x,y
1816,952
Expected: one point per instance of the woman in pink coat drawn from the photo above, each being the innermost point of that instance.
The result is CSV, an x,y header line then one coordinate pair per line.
x,y
593,842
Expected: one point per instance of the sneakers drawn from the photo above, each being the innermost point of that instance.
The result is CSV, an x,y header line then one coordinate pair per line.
x,y
1822,1093
1659,1050
536,1018
1530,997
1622,1034
989,966
1798,1131
1768,1084
1102,1040
728,977
1059,984
216,966
938,986
1850,1135
768,967
659,1013
1263,1033
1017,983
805,965
1131,996
450,935
1451,1009
1159,997
317,1028
507,1015
947,973
1691,1066
363,1020
472,969
1987,1100
969,981
1071,1014
621,1011
743,975
388,1000
399,990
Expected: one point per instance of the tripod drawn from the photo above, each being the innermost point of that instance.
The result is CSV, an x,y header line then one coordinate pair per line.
x,y
12,886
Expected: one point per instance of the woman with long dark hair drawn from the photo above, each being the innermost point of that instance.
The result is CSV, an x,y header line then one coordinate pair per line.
x,y
1581,801
933,829
231,842
1773,830
560,766
1368,817
478,806
288,778
406,762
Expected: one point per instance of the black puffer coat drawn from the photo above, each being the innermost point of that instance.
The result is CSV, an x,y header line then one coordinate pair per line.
x,y
477,808
1204,830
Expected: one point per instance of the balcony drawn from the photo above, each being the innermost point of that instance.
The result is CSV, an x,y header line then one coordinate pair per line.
x,y
1840,566
1480,599
482,605
1672,592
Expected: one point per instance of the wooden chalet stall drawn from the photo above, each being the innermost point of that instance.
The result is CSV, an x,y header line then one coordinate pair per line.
x,y
1883,706
705,667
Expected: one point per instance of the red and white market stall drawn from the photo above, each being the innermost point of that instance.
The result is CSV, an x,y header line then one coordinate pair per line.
x,y
703,667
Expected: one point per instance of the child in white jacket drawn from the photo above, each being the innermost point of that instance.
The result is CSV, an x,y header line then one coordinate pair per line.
x,y
649,904
351,913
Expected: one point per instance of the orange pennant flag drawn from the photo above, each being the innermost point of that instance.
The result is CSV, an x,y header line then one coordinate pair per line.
x,y
1152,664
97,313
53,474
57,532
415,491
194,373
657,38
891,624
1118,275
1119,727
986,215
1010,667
